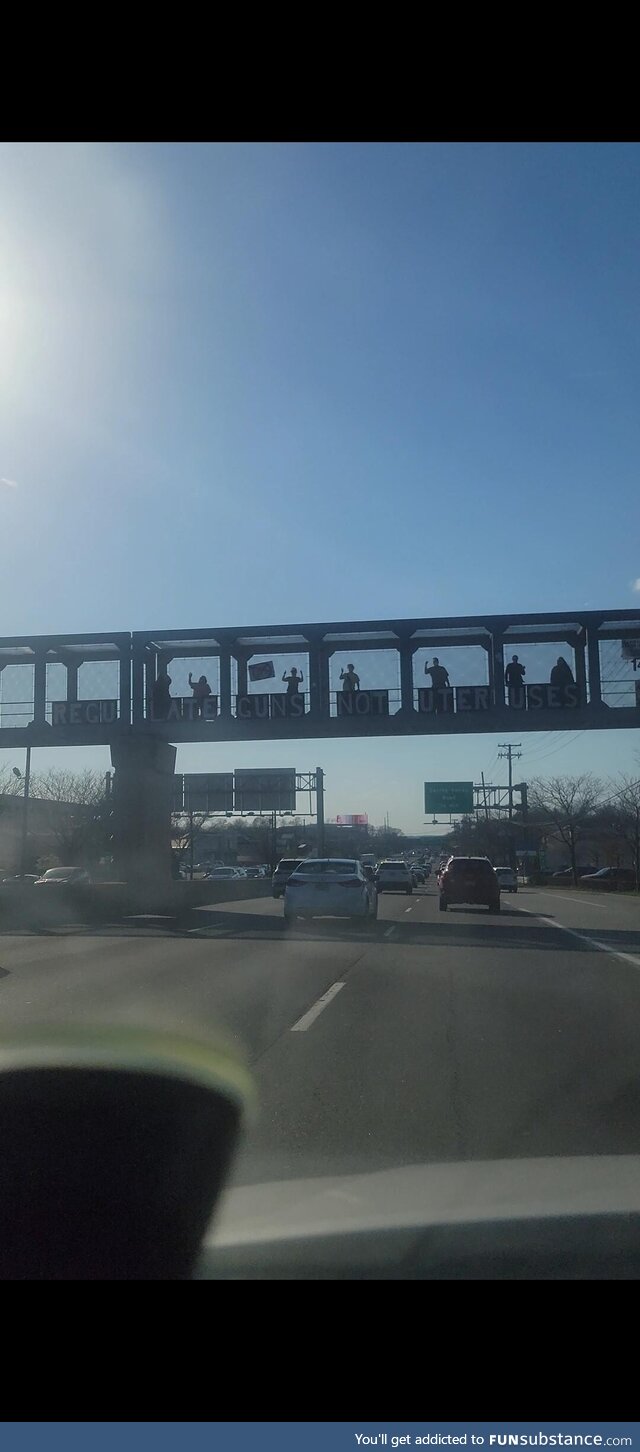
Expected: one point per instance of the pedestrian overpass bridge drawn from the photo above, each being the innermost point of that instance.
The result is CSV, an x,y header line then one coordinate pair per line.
x,y
96,688
142,693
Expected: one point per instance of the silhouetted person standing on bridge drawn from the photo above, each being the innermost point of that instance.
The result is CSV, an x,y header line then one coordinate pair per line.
x,y
439,681
294,681
561,677
201,689
161,696
514,681
350,681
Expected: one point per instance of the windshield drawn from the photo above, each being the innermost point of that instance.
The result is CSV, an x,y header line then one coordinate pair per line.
x,y
226,661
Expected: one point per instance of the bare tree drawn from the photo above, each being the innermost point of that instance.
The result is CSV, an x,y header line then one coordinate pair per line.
x,y
622,815
185,829
78,812
567,804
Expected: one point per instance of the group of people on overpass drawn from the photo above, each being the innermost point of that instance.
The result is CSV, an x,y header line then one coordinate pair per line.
x,y
561,676
161,694
201,690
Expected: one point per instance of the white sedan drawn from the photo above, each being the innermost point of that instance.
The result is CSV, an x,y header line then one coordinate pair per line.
x,y
330,887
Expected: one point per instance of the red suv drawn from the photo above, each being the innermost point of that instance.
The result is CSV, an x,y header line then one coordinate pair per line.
x,y
469,880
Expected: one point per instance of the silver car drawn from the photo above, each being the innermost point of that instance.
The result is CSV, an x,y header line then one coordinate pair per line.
x,y
330,887
394,877
507,879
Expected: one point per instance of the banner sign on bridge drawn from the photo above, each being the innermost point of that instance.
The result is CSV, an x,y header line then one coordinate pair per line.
x,y
84,713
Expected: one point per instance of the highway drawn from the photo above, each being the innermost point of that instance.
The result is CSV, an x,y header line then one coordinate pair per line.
x,y
424,1037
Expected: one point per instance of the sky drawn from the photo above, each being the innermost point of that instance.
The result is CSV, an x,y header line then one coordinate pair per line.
x,y
247,384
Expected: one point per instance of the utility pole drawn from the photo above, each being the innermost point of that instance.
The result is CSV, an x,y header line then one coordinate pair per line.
x,y
508,749
319,812
484,793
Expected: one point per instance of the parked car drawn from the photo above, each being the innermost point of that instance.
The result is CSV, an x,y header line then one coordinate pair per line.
x,y
283,872
507,879
394,877
610,878
64,877
335,887
470,880
224,874
566,874
23,881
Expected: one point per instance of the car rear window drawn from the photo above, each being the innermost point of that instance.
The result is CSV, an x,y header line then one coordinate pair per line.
x,y
335,867
470,864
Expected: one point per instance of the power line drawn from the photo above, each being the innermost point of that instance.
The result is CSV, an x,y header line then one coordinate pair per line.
x,y
560,747
542,746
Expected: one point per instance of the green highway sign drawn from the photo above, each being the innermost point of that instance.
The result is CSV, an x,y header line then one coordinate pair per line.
x,y
454,798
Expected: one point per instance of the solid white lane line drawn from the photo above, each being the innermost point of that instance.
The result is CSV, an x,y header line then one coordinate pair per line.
x,y
586,901
308,1018
626,957
389,932
592,942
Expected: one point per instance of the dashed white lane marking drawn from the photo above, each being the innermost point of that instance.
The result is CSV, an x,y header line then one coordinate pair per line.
x,y
389,932
592,942
308,1018
209,932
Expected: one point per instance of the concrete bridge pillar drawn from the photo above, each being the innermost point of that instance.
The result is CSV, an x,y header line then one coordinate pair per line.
x,y
142,795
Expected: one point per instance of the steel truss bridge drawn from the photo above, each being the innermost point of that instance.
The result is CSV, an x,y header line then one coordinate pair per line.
x,y
103,688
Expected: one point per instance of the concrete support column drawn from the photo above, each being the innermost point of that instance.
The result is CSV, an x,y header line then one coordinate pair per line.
x,y
72,681
225,683
581,668
242,659
40,688
496,670
139,654
124,685
319,680
407,652
142,796
593,653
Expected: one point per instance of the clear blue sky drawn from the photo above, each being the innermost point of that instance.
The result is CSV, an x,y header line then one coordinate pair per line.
x,y
246,384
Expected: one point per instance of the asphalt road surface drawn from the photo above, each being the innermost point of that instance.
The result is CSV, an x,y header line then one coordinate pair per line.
x,y
426,1037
